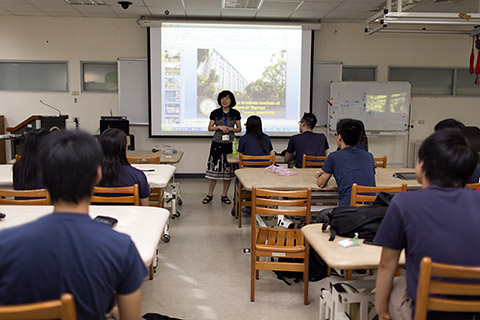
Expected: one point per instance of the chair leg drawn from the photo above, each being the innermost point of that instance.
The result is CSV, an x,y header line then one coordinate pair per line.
x,y
150,271
305,277
240,215
257,272
348,274
252,277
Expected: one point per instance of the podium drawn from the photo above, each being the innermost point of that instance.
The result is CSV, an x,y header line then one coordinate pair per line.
x,y
50,123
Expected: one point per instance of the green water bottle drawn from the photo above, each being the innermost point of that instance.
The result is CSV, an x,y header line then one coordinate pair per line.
x,y
235,146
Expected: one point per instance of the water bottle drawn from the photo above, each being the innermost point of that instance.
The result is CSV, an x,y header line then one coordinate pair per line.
x,y
235,146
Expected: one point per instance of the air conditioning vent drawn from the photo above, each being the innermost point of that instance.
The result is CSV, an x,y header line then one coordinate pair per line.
x,y
86,2
242,4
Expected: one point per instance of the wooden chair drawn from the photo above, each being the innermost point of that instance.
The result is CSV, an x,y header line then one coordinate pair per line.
x,y
243,197
156,194
271,242
63,309
473,185
380,162
362,195
432,281
116,195
313,161
25,197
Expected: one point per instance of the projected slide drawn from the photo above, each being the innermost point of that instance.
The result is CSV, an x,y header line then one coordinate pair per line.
x,y
192,63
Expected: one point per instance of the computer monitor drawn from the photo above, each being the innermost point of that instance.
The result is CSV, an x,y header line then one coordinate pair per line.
x,y
119,122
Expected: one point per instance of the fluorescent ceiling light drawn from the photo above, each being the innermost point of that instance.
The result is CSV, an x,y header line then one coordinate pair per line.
x,y
242,4
86,2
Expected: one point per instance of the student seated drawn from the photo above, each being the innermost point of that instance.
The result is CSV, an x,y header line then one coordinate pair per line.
x,y
307,142
254,142
440,221
350,164
116,170
455,124
26,172
67,251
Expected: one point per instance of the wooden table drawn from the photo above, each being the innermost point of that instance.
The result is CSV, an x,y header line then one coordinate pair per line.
x,y
305,178
144,225
164,157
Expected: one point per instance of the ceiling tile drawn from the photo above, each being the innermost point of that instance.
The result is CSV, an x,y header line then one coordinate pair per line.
x,y
213,4
310,14
276,5
172,11
131,10
19,7
135,3
272,14
52,8
30,13
319,6
67,14
243,13
57,2
202,11
166,4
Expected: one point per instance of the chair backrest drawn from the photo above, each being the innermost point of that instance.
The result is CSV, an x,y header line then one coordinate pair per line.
x,y
313,161
116,195
25,197
432,280
63,309
380,162
141,160
473,185
256,161
362,195
274,202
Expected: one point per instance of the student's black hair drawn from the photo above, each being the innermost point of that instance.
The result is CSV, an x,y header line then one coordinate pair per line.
x,y
350,130
254,127
225,93
69,163
26,171
448,159
450,123
363,136
114,146
309,119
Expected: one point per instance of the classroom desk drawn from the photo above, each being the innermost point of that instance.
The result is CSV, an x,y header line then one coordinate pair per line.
x,y
143,224
305,178
158,178
233,159
164,158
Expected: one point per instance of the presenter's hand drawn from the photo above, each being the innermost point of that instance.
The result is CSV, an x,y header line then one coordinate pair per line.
x,y
224,129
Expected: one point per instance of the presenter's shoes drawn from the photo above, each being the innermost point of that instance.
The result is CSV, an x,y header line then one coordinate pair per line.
x,y
226,200
207,199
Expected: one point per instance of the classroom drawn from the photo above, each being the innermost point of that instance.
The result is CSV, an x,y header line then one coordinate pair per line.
x,y
109,35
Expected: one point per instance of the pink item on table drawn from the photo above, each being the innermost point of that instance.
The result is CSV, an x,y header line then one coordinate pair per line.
x,y
280,170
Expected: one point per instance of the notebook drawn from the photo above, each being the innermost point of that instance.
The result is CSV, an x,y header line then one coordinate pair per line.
x,y
406,175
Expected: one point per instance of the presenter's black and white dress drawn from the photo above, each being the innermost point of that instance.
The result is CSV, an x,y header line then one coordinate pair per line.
x,y
217,166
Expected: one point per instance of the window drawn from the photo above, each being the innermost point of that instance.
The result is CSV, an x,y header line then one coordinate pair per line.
x,y
359,73
34,76
99,76
464,85
425,81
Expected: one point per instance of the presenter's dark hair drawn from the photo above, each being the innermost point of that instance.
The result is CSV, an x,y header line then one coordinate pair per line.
x,y
114,146
309,119
448,159
254,127
225,93
350,130
26,171
69,163
450,123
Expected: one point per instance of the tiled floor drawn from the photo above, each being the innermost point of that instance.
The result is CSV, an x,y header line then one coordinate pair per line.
x,y
204,274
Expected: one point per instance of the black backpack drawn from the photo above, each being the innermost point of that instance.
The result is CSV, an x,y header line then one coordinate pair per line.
x,y
346,221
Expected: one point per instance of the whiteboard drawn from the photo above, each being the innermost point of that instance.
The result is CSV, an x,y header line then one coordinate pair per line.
x,y
133,90
323,75
382,106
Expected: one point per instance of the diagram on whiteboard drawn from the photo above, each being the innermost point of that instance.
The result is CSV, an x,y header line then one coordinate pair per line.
x,y
382,106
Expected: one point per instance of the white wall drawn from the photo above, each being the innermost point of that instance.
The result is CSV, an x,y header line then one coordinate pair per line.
x,y
89,39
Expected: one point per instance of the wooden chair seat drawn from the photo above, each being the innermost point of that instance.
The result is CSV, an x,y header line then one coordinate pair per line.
x,y
270,243
63,309
25,197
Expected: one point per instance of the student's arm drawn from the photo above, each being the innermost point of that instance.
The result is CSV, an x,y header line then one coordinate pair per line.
x,y
288,156
144,202
129,305
322,178
386,272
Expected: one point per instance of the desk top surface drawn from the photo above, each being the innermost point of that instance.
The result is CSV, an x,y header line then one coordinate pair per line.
x,y
164,158
143,224
158,175
363,256
305,178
